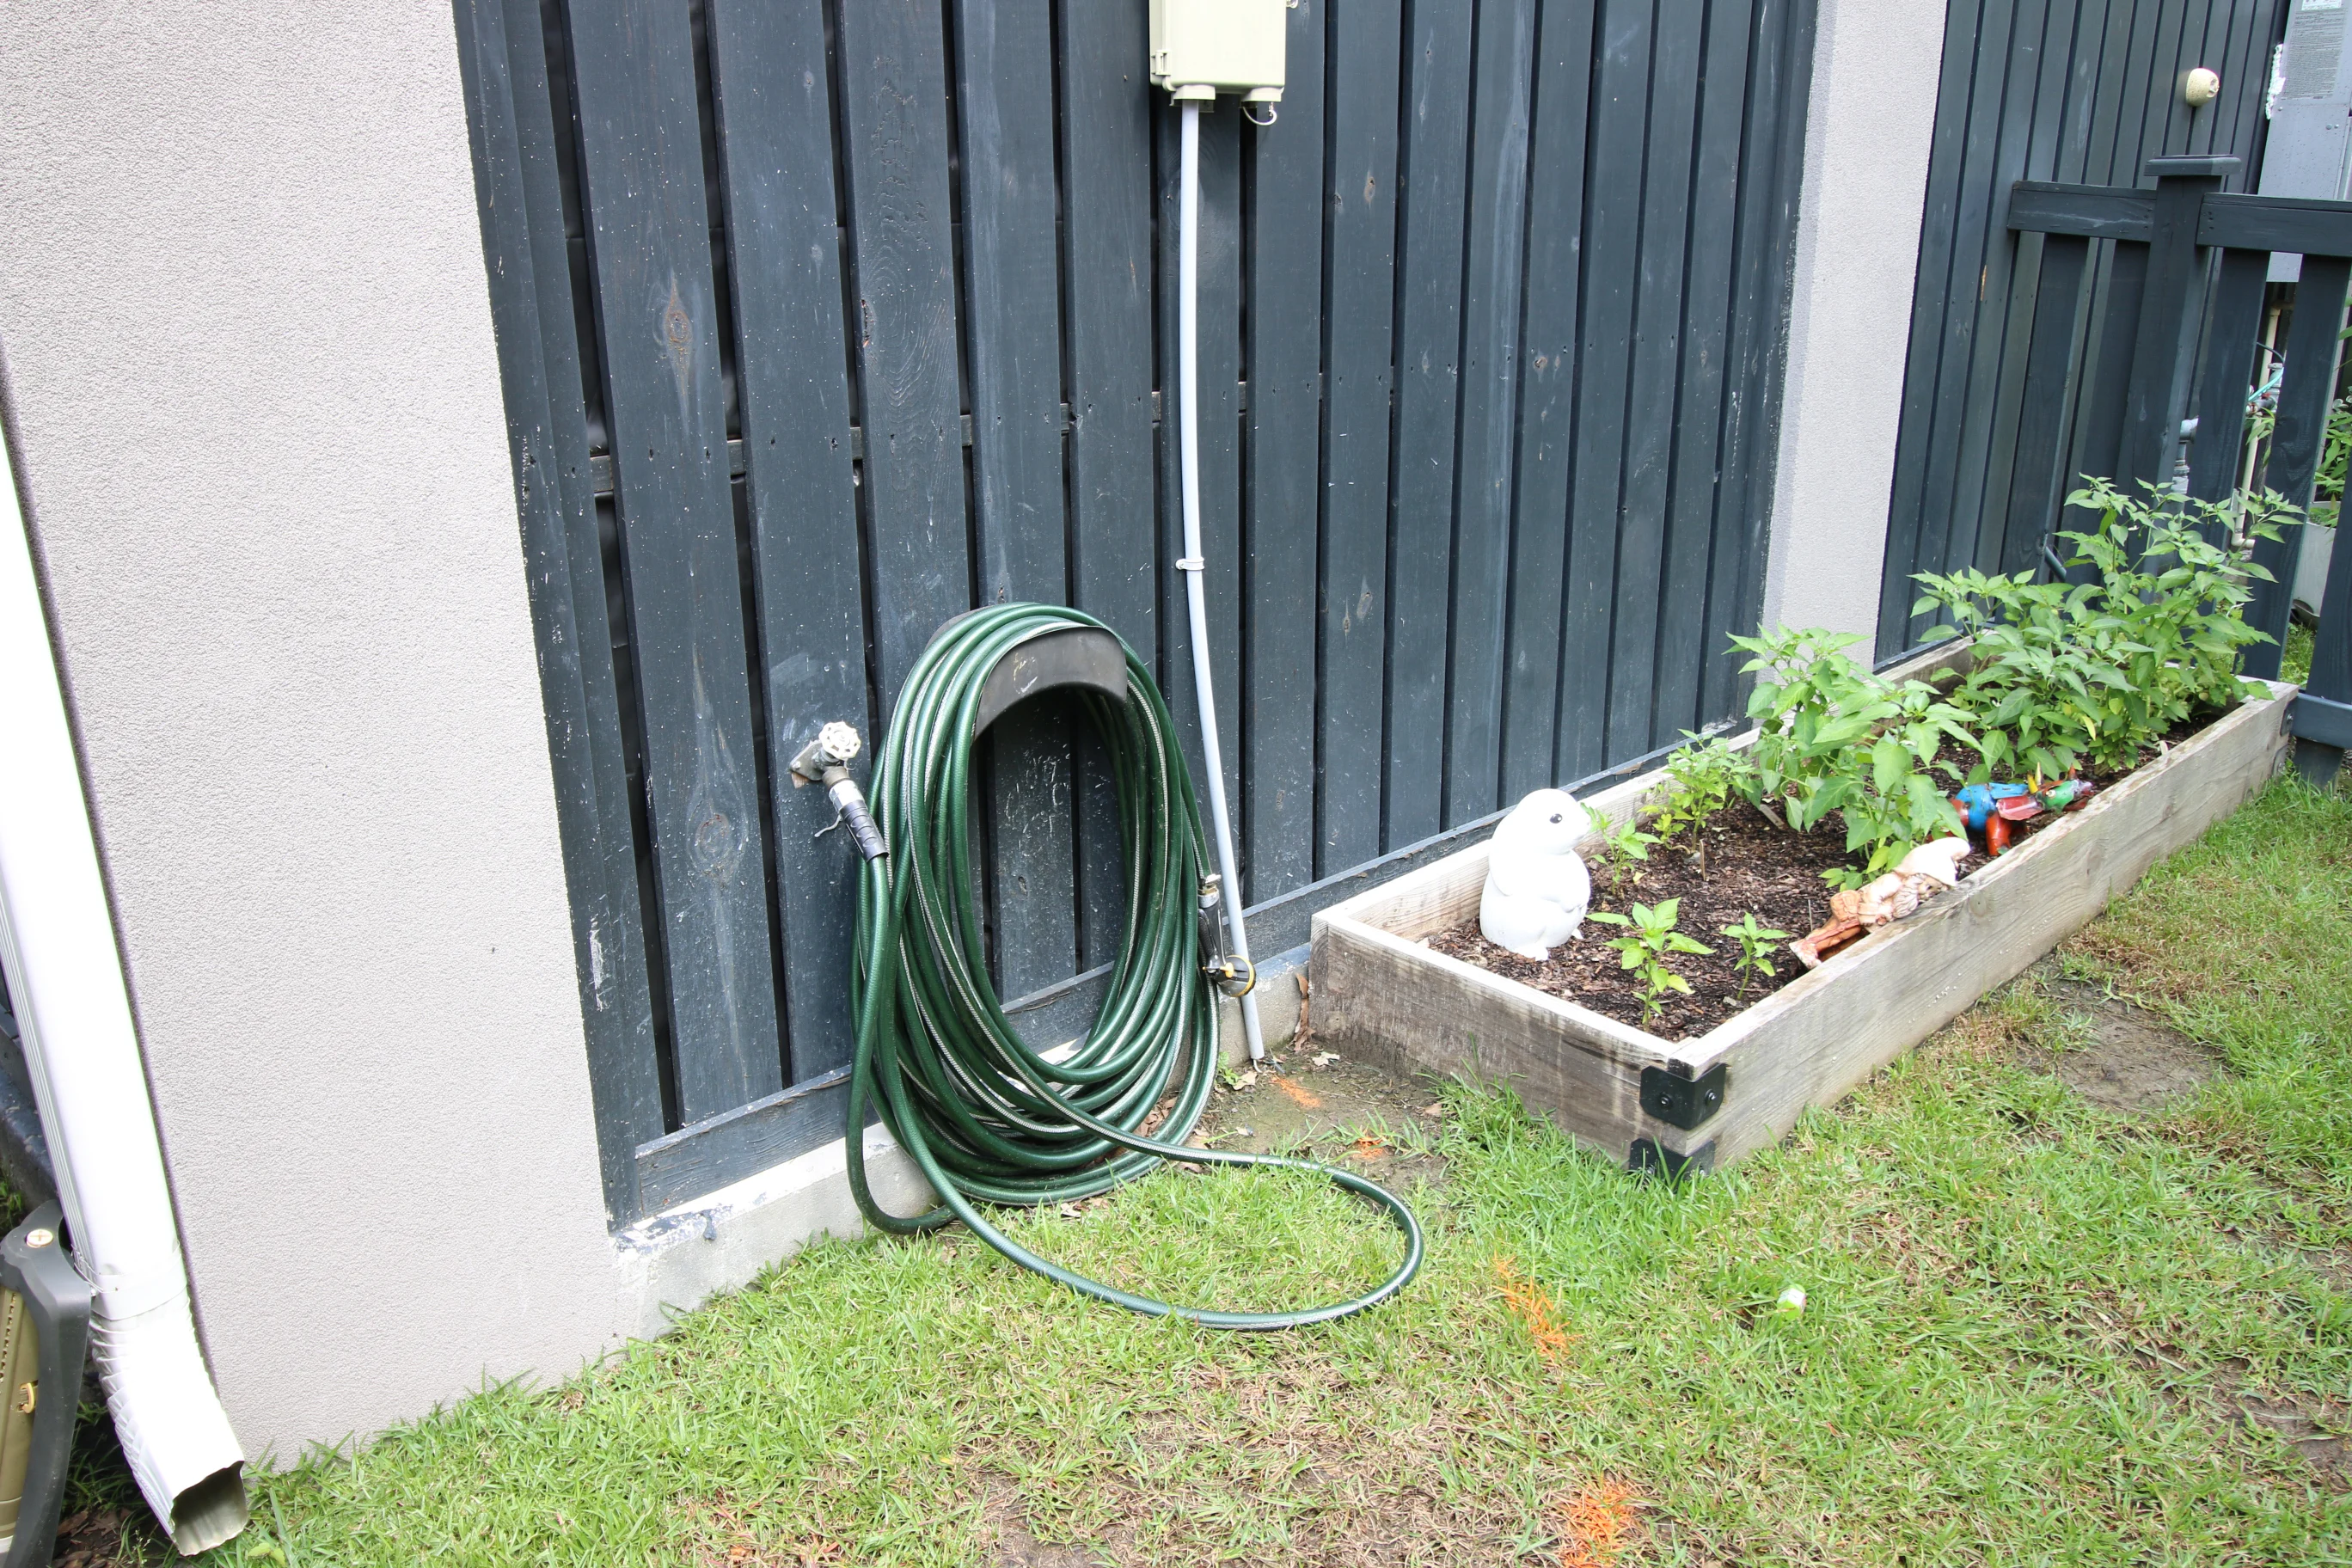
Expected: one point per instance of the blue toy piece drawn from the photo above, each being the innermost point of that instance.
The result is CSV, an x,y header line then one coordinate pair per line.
x,y
1976,801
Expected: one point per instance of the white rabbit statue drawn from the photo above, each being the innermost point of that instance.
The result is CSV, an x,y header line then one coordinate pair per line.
x,y
1537,886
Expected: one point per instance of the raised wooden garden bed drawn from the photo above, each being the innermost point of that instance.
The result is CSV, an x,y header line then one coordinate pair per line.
x,y
1381,995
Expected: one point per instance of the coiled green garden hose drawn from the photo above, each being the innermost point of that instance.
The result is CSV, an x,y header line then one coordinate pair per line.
x,y
985,1117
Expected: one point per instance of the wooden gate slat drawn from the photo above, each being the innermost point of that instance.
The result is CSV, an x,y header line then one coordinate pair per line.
x,y
1657,366
770,87
1577,675
1285,424
1715,195
641,152
1494,268
1436,121
2041,483
2232,342
1106,234
1358,314
894,102
1004,99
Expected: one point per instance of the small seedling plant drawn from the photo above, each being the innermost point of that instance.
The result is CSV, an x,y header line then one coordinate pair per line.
x,y
1624,842
1650,937
1703,776
1753,963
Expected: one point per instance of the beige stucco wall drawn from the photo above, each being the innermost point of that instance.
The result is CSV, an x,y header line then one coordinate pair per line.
x,y
1868,125
253,405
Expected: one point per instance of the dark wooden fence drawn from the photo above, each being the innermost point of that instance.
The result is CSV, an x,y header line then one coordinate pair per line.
x,y
822,320
2179,329
2079,92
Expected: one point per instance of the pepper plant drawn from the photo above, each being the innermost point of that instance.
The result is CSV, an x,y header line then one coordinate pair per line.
x,y
1833,736
1644,948
1755,946
2100,670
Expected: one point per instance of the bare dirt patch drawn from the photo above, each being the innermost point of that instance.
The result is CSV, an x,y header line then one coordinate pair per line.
x,y
2121,1058
1315,1102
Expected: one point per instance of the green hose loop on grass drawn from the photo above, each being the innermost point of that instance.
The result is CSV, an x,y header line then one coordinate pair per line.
x,y
987,1118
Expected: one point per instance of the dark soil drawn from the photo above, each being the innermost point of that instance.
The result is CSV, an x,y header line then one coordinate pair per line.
x,y
1748,866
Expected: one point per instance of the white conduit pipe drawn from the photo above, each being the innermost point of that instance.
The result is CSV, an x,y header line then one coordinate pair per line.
x,y
73,1011
1195,565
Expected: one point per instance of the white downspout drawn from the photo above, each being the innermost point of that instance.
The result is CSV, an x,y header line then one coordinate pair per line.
x,y
65,978
1195,565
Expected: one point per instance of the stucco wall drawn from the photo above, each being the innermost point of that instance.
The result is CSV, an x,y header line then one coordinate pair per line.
x,y
255,408
1875,65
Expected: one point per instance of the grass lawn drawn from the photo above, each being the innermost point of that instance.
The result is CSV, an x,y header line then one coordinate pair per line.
x,y
2038,1332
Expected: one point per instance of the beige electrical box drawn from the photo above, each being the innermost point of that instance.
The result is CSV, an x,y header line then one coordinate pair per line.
x,y
1202,48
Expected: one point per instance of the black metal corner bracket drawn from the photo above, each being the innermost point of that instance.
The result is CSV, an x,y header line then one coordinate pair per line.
x,y
1648,1158
1685,1102
34,1263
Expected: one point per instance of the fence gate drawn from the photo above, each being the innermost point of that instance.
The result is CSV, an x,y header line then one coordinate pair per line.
x,y
2075,92
822,320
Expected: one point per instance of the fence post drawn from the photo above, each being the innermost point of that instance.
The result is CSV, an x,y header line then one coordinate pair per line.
x,y
2157,395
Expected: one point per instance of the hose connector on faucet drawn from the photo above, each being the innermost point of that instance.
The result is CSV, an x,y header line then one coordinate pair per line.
x,y
825,760
1233,976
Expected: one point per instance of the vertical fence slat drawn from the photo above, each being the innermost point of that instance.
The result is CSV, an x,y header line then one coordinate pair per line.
x,y
1775,160
1359,316
1548,666
1964,47
894,99
1657,367
2305,389
2230,344
641,144
504,64
1942,528
1004,97
1107,248
775,117
1286,358
2116,330
2040,480
1494,258
2001,326
1698,425
1994,440
1428,357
